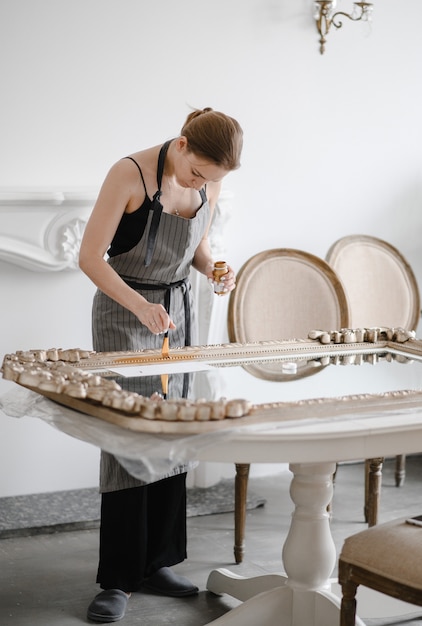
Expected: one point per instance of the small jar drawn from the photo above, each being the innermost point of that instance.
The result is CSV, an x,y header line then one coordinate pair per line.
x,y
220,268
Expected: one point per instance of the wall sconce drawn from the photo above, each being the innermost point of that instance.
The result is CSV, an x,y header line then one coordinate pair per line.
x,y
326,15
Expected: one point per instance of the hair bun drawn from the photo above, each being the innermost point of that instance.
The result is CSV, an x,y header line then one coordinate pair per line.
x,y
198,112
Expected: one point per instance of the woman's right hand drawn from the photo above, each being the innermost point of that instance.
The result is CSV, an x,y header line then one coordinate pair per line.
x,y
155,318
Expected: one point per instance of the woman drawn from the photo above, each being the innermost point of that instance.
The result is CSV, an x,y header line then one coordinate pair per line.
x,y
155,208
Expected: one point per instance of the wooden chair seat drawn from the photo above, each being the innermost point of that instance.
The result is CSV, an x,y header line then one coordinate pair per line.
x,y
386,558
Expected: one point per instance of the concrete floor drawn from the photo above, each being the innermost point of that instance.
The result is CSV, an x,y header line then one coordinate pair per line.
x,y
49,580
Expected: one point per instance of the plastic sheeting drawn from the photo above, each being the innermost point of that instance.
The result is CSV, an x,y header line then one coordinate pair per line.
x,y
150,457
145,456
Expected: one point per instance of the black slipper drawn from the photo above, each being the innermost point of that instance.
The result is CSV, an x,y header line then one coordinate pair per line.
x,y
108,606
166,582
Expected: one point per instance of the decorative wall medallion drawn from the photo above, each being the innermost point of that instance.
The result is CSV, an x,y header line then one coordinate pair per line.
x,y
42,230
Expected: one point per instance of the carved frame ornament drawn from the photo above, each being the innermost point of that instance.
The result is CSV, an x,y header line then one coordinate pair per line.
x,y
74,378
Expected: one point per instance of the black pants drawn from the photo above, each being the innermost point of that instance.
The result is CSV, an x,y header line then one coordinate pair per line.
x,y
142,529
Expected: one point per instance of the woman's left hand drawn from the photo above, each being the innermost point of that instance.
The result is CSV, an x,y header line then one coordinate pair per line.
x,y
228,279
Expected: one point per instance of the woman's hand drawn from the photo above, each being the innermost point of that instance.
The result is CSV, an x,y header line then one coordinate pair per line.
x,y
155,318
228,279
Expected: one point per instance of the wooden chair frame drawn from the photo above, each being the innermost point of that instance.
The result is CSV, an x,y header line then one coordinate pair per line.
x,y
351,576
385,558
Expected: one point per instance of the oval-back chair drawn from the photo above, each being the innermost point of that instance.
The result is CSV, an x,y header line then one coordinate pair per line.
x,y
281,294
382,291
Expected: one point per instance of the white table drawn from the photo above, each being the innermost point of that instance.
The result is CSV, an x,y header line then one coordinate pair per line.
x,y
309,555
348,429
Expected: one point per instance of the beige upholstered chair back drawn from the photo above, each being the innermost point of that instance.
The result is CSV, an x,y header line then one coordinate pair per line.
x,y
283,294
380,285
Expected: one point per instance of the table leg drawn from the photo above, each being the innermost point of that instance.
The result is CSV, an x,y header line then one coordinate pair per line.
x,y
304,598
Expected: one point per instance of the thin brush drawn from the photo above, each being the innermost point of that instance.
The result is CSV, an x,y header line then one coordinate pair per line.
x,y
165,354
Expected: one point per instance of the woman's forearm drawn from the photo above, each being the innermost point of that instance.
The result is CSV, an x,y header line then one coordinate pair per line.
x,y
110,283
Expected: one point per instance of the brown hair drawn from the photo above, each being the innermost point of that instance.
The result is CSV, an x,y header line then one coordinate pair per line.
x,y
215,137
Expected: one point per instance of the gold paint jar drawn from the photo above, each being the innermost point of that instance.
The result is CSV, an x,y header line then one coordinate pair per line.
x,y
220,268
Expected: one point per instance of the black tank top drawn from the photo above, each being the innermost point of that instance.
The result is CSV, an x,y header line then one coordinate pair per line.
x,y
132,225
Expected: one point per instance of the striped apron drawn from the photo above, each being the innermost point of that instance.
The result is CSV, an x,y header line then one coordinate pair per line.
x,y
116,328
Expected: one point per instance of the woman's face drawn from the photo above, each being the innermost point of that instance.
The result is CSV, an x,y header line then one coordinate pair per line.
x,y
195,172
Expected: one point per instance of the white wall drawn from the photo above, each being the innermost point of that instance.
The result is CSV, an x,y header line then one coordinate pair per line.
x,y
332,144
